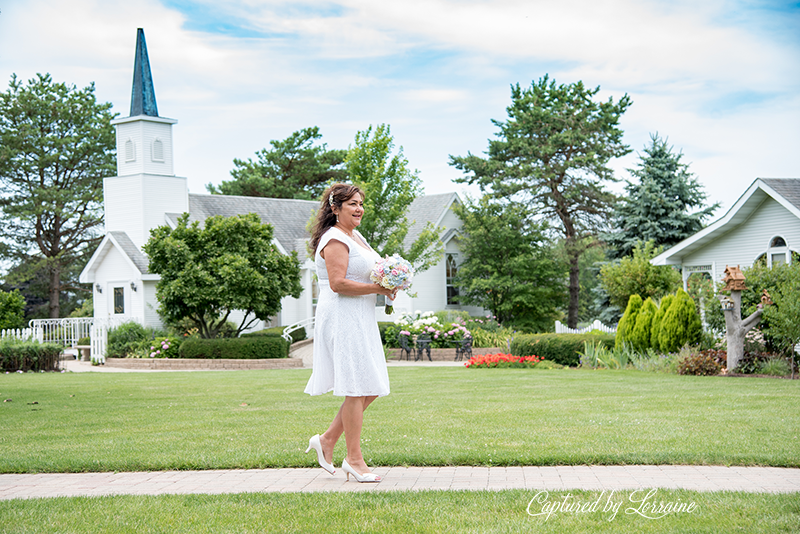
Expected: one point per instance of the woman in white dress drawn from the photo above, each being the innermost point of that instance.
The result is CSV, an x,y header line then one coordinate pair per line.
x,y
348,353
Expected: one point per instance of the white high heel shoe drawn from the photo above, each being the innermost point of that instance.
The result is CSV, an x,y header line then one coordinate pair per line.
x,y
315,444
366,477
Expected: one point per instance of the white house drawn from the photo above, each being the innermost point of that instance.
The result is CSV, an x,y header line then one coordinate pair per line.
x,y
763,223
146,194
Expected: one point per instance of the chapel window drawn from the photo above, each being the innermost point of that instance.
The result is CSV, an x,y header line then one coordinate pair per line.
x,y
119,300
451,270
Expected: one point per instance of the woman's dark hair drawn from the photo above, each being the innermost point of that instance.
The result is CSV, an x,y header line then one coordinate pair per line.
x,y
335,195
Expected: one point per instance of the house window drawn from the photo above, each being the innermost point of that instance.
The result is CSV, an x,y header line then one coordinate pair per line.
x,y
778,252
158,150
130,151
119,300
451,269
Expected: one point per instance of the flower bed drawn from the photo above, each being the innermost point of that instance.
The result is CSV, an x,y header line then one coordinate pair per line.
x,y
502,360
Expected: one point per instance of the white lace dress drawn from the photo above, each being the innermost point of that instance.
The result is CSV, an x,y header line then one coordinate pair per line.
x,y
348,353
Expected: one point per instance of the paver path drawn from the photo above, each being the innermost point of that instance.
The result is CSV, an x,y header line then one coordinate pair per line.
x,y
701,478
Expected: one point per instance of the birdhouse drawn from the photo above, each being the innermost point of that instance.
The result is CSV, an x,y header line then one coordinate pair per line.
x,y
734,279
727,303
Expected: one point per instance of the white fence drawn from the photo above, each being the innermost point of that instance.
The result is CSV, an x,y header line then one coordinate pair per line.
x,y
20,333
597,325
68,332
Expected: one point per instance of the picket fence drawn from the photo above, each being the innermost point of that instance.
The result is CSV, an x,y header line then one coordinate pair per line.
x,y
69,331
596,325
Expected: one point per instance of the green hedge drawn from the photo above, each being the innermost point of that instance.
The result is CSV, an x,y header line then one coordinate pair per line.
x,y
245,348
277,331
29,356
382,326
559,348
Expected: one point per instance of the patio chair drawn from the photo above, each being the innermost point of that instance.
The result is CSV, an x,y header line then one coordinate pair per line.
x,y
405,347
464,349
423,345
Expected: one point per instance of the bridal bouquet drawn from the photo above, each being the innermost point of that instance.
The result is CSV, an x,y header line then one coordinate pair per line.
x,y
392,272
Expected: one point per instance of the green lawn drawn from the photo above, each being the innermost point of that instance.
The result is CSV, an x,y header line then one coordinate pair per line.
x,y
415,512
434,416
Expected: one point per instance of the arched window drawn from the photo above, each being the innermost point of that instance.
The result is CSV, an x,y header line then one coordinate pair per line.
x,y
778,252
158,150
130,151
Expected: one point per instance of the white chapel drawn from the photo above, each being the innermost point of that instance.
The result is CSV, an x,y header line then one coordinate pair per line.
x,y
146,194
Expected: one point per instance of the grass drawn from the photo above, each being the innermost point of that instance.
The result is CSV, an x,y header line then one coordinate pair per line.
x,y
418,512
434,416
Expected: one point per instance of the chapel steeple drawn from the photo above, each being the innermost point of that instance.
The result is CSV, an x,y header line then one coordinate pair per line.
x,y
143,96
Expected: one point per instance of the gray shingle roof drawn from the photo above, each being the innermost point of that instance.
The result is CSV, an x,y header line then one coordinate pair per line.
x,y
133,252
288,217
423,210
788,188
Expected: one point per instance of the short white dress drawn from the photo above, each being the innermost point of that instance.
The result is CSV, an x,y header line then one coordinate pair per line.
x,y
348,353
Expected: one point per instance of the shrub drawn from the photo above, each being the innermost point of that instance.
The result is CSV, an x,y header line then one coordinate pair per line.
x,y
245,348
498,338
697,363
277,331
126,339
564,349
658,319
12,310
628,321
640,334
28,356
385,328
163,347
681,324
750,362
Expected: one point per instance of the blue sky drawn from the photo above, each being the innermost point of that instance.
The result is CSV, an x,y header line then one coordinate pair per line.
x,y
720,79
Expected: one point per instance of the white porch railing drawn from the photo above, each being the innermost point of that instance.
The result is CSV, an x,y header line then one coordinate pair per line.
x,y
305,323
68,331
596,325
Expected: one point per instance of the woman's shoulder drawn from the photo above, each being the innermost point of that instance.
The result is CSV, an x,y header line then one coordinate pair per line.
x,y
333,233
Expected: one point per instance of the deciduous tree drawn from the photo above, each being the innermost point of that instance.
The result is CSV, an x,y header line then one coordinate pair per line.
x,y
295,167
635,275
390,187
56,146
509,265
552,153
230,264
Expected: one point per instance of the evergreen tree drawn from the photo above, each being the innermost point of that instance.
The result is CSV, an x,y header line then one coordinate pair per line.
x,y
552,154
628,321
681,324
658,320
657,208
56,146
640,335
293,168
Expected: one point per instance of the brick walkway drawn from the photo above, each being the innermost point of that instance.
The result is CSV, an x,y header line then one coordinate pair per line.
x,y
701,478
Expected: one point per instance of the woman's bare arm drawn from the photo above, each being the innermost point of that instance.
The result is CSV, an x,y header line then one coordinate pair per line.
x,y
336,256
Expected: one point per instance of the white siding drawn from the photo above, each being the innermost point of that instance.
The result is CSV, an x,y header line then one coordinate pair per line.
x,y
150,315
743,244
137,204
114,271
143,133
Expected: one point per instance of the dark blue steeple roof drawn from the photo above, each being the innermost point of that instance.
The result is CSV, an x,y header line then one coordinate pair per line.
x,y
143,97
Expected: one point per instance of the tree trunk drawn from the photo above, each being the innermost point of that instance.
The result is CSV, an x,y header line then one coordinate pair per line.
x,y
55,291
574,288
736,329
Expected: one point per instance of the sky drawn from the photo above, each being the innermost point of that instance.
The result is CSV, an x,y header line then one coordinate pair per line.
x,y
719,79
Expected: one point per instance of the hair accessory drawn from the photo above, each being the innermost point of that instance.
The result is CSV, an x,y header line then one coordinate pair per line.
x,y
330,199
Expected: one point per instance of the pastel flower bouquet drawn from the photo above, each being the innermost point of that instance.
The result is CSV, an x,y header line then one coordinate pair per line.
x,y
392,272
